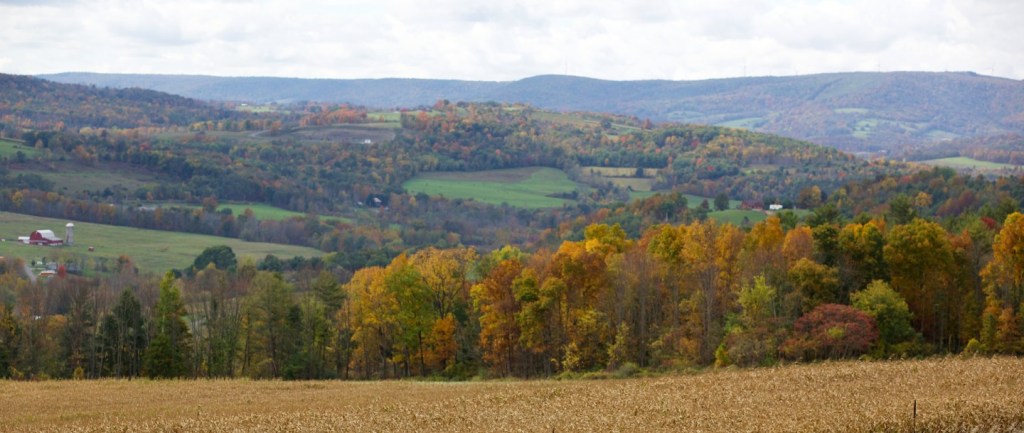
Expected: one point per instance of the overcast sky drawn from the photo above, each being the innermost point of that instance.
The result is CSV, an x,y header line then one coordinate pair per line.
x,y
508,40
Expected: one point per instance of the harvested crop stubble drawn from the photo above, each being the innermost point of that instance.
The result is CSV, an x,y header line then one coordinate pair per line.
x,y
952,394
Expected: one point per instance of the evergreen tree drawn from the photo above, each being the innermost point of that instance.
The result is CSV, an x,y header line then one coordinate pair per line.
x,y
168,353
123,335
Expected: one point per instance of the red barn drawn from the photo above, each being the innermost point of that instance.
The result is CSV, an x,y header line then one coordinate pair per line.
x,y
44,237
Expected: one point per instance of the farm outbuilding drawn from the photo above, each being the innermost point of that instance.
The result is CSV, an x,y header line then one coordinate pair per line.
x,y
44,237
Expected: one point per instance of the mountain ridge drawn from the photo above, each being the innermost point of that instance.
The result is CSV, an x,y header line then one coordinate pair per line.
x,y
852,111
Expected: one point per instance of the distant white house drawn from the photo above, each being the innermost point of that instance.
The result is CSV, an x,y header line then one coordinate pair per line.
x,y
774,207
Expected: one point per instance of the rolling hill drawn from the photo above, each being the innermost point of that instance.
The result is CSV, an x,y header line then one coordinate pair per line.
x,y
45,104
857,112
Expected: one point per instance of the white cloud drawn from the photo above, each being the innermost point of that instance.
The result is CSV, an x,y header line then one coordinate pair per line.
x,y
507,40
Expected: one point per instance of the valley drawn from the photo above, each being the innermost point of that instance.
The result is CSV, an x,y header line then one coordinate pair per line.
x,y
463,241
465,216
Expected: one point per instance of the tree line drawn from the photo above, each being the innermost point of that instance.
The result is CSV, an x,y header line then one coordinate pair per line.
x,y
677,296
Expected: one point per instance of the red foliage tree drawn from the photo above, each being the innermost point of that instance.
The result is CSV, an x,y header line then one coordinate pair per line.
x,y
831,331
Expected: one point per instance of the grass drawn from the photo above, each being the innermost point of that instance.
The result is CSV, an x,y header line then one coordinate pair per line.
x,y
259,210
527,187
638,195
617,171
745,123
965,162
694,201
9,149
851,110
624,177
863,128
637,184
950,394
70,177
385,116
262,212
735,216
152,250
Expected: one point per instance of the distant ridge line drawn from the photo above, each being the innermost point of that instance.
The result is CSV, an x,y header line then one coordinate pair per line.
x,y
853,111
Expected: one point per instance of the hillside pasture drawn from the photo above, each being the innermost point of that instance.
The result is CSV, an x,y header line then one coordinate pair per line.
x,y
10,149
151,250
744,123
71,177
963,162
941,394
625,177
346,133
618,171
259,210
736,216
527,187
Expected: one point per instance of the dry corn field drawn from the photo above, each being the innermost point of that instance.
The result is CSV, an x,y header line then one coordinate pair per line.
x,y
981,394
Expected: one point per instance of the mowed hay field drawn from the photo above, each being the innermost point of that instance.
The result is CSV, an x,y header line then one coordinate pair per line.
x,y
952,394
965,162
527,187
151,250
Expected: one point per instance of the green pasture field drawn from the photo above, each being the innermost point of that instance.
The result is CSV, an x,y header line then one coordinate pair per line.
x,y
259,210
623,177
10,148
527,187
639,195
617,171
965,162
385,116
851,110
151,250
262,212
693,201
578,121
735,216
70,177
745,123
638,184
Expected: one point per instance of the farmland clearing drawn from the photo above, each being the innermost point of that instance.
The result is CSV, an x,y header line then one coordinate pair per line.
x,y
950,394
151,250
527,187
963,162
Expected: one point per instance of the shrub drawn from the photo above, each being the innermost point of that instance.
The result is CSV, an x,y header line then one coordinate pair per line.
x,y
831,331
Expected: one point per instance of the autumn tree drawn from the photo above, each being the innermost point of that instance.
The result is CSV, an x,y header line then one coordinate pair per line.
x,y
267,340
891,314
373,319
495,300
754,339
814,284
920,260
1004,278
707,258
831,331
1006,270
415,313
798,244
861,259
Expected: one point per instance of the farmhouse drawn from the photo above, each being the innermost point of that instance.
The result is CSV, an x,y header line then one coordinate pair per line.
x,y
42,237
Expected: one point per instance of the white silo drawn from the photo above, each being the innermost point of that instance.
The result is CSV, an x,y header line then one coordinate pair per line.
x,y
69,234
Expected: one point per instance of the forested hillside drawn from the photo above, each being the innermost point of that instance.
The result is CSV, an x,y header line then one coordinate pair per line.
x,y
33,103
668,249
855,112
